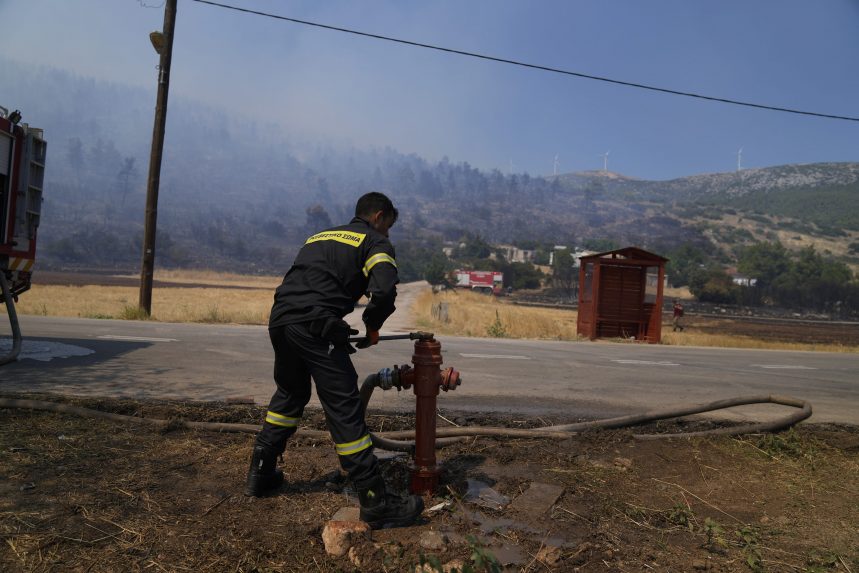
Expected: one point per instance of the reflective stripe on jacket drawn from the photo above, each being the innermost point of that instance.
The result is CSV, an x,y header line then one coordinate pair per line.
x,y
332,271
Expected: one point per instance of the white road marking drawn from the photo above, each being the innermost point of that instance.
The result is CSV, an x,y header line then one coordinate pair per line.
x,y
647,362
508,356
136,338
784,367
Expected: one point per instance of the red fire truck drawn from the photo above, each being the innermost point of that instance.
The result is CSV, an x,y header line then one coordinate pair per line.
x,y
22,174
489,282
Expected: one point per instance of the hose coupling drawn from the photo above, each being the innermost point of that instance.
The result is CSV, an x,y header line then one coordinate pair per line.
x,y
385,378
399,377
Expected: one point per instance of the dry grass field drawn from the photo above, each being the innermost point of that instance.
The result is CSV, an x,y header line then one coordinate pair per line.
x,y
472,314
198,304
213,278
213,297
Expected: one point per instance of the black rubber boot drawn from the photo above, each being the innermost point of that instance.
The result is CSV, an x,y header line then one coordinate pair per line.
x,y
381,509
263,476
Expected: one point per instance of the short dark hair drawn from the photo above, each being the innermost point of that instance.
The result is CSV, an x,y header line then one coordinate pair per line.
x,y
373,202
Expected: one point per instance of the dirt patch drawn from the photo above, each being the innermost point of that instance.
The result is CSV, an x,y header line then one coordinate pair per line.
x,y
778,330
88,495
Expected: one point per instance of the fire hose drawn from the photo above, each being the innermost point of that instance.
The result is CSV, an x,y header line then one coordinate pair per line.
x,y
564,431
427,379
401,377
13,319
399,440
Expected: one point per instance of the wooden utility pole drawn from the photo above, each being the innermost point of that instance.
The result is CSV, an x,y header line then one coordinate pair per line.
x,y
163,44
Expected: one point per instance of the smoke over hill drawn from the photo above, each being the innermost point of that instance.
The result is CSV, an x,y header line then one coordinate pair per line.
x,y
243,195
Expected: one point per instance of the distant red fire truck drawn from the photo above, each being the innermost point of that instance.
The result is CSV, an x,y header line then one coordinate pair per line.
x,y
22,175
489,282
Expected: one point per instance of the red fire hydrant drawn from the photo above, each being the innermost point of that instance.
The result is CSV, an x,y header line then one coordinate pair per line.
x,y
427,377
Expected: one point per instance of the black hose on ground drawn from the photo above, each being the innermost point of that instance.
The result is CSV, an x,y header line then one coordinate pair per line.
x,y
13,319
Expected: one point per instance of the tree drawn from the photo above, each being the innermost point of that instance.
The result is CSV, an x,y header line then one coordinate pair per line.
x,y
713,285
125,174
541,256
406,181
600,245
474,247
521,275
812,282
683,262
317,218
323,193
435,272
104,157
764,262
429,185
565,274
75,153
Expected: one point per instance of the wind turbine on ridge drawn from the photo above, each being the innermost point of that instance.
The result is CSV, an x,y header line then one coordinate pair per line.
x,y
605,160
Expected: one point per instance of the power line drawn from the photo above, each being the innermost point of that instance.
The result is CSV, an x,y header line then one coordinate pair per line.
x,y
532,66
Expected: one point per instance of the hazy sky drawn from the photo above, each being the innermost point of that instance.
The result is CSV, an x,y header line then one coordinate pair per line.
x,y
787,53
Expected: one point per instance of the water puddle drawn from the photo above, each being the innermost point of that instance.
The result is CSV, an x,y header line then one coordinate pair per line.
x,y
387,455
479,493
508,554
490,527
44,351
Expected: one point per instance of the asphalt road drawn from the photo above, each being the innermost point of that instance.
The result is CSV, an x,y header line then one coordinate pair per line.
x,y
552,379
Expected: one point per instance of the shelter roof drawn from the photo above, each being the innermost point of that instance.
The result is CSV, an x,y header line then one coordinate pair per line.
x,y
627,253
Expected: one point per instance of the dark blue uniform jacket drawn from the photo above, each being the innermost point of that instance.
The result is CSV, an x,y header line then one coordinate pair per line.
x,y
332,271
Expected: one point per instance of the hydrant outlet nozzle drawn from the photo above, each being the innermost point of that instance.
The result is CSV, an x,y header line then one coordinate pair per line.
x,y
450,379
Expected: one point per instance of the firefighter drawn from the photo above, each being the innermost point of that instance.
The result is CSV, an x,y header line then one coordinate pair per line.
x,y
331,272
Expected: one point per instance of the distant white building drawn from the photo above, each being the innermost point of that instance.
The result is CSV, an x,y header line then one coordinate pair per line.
x,y
450,246
515,254
743,280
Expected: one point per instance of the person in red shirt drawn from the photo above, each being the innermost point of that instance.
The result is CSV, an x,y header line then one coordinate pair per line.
x,y
678,314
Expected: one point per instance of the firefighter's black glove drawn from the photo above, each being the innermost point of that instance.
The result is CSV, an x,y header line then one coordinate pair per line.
x,y
334,330
370,339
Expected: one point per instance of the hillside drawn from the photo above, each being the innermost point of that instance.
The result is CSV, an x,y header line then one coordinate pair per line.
x,y
241,195
798,205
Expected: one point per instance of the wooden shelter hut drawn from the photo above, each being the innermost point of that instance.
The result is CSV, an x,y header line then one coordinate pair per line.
x,y
620,295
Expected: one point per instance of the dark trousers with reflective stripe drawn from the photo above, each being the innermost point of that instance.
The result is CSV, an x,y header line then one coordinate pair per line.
x,y
298,357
